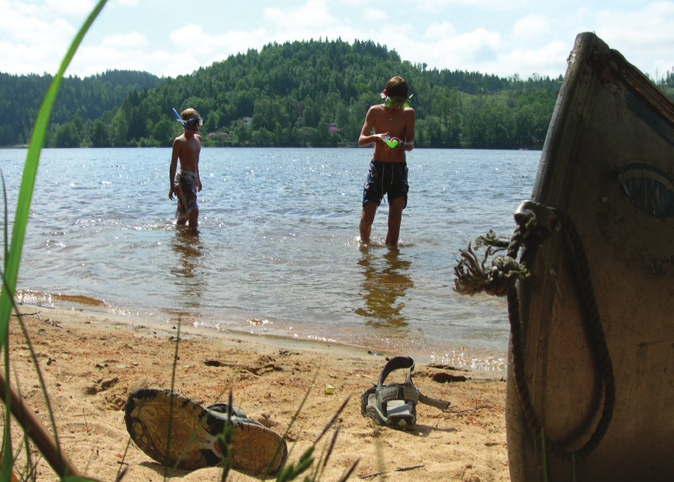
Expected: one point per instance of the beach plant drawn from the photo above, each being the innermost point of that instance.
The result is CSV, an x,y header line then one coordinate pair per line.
x,y
292,471
288,471
12,256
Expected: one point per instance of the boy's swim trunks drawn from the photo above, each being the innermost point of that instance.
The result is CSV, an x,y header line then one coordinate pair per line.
x,y
385,178
186,188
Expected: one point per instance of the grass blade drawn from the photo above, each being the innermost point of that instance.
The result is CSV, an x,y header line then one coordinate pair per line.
x,y
13,256
28,180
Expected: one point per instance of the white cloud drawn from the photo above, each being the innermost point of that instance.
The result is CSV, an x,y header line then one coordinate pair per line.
x,y
545,60
469,51
531,27
70,7
374,14
30,43
481,35
439,31
125,40
23,9
94,60
645,37
314,15
647,27
23,26
478,42
193,40
435,5
222,46
19,59
190,33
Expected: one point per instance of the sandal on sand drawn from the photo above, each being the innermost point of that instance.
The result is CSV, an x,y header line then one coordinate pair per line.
x,y
254,449
394,404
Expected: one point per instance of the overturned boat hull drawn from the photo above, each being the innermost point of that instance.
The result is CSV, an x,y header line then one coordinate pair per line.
x,y
608,166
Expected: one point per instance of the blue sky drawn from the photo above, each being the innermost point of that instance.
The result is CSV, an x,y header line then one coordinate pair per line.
x,y
170,38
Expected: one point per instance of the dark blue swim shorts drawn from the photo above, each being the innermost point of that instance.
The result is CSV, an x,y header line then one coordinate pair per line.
x,y
386,178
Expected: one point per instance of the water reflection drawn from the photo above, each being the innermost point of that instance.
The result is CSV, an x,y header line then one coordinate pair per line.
x,y
188,269
384,285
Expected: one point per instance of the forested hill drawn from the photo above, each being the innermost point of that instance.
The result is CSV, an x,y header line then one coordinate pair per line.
x,y
313,93
80,100
317,93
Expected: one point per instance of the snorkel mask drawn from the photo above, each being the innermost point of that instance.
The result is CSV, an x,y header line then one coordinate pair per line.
x,y
188,124
195,121
396,103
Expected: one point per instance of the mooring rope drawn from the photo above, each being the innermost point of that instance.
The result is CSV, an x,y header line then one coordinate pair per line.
x,y
534,223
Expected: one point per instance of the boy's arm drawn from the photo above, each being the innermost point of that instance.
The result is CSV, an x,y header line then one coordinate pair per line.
x,y
409,132
365,138
198,137
174,166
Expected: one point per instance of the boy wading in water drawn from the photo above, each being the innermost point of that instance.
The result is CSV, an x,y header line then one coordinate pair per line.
x,y
393,126
186,182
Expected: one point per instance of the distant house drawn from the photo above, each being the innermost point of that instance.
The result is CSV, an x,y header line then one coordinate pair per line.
x,y
246,121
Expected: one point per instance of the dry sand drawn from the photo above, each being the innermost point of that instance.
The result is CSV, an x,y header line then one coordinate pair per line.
x,y
92,361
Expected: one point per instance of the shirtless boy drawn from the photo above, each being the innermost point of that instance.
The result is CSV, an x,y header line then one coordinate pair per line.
x,y
186,182
393,119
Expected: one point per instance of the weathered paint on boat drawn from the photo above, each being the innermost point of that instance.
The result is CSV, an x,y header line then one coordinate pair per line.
x,y
608,163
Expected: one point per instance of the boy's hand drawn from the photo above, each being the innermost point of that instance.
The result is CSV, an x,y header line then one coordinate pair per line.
x,y
381,139
171,193
398,145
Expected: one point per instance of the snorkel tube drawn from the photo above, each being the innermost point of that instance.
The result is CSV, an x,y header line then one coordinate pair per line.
x,y
180,119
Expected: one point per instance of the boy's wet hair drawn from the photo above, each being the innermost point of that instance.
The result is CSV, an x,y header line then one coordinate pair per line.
x,y
396,87
189,113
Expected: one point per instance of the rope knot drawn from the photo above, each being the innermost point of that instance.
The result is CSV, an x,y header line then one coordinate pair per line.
x,y
474,276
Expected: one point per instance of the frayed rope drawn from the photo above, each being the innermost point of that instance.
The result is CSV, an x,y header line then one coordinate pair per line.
x,y
474,276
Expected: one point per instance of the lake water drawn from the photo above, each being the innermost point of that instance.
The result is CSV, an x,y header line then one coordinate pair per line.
x,y
277,251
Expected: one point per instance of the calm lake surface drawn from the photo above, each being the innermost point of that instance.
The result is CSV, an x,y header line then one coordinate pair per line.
x,y
277,251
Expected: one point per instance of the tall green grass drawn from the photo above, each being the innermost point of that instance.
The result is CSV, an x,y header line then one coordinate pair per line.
x,y
12,256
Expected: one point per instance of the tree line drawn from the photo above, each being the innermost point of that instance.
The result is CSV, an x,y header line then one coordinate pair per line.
x,y
79,102
296,94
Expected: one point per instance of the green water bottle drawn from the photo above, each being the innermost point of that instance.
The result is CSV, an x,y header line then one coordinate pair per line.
x,y
390,142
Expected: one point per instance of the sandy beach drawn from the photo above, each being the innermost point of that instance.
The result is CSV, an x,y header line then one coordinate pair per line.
x,y
92,361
